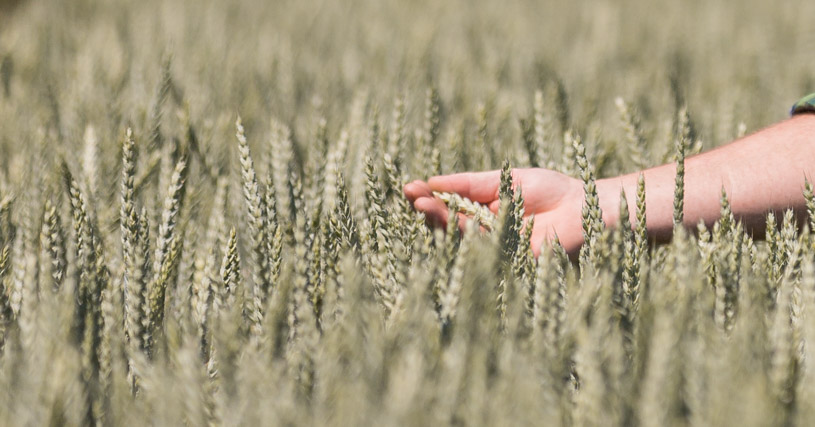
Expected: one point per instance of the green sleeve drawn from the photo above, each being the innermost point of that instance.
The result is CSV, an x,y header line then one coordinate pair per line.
x,y
804,105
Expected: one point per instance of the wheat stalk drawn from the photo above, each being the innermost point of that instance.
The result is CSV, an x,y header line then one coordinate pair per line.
x,y
480,214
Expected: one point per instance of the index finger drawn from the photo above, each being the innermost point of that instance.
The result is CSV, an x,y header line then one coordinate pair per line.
x,y
481,187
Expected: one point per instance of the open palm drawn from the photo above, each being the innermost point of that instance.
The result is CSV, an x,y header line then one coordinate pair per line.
x,y
554,199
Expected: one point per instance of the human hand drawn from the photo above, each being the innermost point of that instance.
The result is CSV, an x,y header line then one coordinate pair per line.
x,y
553,198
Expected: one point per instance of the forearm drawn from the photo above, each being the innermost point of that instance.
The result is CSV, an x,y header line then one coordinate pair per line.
x,y
761,172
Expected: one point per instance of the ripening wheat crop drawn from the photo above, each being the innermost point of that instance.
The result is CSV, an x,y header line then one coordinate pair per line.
x,y
202,219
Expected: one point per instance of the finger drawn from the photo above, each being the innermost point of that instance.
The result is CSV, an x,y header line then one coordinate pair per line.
x,y
434,209
494,206
417,189
481,187
464,222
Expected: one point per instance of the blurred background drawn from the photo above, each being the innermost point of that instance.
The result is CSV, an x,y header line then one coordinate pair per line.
x,y
97,60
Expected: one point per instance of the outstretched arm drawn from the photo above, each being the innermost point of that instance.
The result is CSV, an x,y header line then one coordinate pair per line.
x,y
763,172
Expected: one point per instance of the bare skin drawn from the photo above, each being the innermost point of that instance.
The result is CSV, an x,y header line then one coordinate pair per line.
x,y
762,172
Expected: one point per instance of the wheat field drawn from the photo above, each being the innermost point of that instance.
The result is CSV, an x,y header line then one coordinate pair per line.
x,y
202,219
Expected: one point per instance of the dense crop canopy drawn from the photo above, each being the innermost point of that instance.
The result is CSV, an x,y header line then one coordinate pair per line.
x,y
202,219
